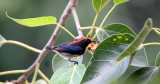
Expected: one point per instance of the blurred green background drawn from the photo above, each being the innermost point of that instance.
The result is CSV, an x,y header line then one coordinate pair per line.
x,y
12,57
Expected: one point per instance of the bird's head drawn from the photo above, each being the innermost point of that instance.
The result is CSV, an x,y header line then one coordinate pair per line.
x,y
83,42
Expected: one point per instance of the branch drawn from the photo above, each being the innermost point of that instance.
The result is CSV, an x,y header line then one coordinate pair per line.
x,y
75,16
51,41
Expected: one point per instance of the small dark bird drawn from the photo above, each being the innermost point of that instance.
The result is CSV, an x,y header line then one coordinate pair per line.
x,y
72,49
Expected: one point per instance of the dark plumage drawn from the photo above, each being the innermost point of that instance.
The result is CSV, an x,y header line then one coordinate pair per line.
x,y
71,49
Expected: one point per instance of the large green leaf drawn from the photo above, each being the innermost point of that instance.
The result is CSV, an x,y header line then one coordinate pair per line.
x,y
102,68
34,22
58,62
119,1
142,76
140,58
137,41
68,75
99,4
2,40
115,28
158,60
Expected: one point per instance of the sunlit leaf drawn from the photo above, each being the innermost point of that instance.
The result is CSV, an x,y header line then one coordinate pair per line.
x,y
2,83
119,1
158,60
111,29
34,22
2,40
68,75
58,62
140,58
99,4
102,68
137,41
41,81
142,76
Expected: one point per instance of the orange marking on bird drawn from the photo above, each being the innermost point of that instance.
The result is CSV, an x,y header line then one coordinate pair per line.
x,y
79,41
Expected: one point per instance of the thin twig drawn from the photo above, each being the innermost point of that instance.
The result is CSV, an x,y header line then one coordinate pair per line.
x,y
23,45
76,19
43,76
35,74
51,41
12,72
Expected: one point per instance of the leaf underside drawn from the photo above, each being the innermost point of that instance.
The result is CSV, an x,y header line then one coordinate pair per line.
x,y
58,62
102,68
137,41
143,76
68,75
2,40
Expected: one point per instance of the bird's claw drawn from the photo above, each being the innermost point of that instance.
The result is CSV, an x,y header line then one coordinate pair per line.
x,y
75,63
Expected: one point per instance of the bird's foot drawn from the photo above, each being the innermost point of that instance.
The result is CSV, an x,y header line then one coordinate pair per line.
x,y
75,63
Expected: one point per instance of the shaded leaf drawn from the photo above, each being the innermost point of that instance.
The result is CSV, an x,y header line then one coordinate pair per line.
x,y
158,60
58,62
34,22
41,81
68,75
140,58
114,82
156,79
142,76
98,5
2,40
137,41
111,29
102,68
158,32
119,1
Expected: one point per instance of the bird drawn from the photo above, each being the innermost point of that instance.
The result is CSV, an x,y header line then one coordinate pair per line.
x,y
73,49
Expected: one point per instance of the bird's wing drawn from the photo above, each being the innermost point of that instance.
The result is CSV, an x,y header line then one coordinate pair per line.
x,y
69,49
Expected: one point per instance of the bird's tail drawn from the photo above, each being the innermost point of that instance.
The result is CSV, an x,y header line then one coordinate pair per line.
x,y
49,47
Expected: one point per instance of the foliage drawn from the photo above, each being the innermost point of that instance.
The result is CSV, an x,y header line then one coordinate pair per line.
x,y
118,49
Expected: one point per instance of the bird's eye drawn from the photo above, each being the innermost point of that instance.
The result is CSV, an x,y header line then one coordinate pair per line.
x,y
87,40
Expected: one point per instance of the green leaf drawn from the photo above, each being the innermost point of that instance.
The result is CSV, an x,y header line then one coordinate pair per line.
x,y
68,75
40,81
2,40
158,60
156,79
119,1
158,32
58,62
102,68
111,29
99,4
140,58
142,76
34,22
114,82
137,41
2,83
